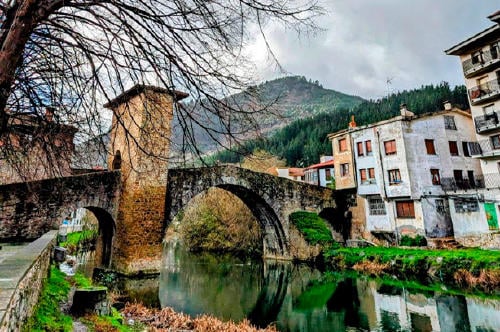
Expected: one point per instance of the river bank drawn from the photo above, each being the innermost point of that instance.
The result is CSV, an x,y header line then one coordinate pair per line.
x,y
470,269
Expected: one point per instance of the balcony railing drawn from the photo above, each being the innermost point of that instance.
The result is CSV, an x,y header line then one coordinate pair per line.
x,y
452,184
475,67
487,122
484,148
484,92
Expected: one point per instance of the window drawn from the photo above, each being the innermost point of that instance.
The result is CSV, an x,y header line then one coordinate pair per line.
x,y
441,208
371,173
376,206
394,177
390,147
344,169
449,122
429,146
494,48
360,148
463,205
328,174
405,209
362,175
477,57
436,179
368,147
453,148
495,141
465,147
342,145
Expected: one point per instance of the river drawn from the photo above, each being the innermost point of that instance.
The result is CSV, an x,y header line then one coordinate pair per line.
x,y
302,298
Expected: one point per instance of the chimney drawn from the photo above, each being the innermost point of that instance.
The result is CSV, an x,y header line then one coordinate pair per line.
x,y
447,105
352,124
404,111
49,114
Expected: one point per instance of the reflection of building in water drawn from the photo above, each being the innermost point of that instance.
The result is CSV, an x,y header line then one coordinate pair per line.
x,y
484,314
397,309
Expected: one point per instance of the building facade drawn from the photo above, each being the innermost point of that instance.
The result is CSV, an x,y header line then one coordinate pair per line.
x,y
321,174
398,167
480,59
35,147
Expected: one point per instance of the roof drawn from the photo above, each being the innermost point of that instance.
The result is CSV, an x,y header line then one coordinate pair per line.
x,y
473,42
454,110
140,88
495,16
321,165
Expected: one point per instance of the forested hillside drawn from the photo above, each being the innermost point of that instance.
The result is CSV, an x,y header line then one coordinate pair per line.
x,y
303,141
285,100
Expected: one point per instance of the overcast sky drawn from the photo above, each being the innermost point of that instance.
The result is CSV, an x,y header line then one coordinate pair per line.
x,y
367,42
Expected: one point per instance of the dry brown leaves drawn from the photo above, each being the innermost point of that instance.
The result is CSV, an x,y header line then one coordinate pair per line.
x,y
486,280
371,267
168,320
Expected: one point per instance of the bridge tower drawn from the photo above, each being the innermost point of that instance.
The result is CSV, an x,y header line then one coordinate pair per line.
x,y
139,147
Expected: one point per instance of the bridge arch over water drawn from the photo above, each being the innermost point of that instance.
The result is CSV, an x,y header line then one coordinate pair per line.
x,y
30,209
271,199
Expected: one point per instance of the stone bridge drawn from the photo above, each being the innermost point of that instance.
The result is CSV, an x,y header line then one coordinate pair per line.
x,y
270,198
29,209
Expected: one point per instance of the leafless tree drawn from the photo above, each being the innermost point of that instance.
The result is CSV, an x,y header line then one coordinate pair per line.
x,y
75,55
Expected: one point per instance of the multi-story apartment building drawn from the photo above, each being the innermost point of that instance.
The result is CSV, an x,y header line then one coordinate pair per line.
x,y
480,58
398,166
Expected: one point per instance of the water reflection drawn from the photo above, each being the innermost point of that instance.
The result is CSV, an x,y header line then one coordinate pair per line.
x,y
300,298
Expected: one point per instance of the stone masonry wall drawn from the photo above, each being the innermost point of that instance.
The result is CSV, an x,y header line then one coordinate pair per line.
x,y
21,281
30,209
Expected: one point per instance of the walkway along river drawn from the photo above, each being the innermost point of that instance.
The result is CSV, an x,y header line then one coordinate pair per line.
x,y
302,298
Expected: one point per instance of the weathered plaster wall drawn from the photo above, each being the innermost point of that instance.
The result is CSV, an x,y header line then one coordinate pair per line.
x,y
21,281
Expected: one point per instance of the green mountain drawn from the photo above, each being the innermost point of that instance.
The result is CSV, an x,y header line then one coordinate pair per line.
x,y
280,101
304,140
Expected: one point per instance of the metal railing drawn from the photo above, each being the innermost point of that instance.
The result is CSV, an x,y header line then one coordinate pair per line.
x,y
483,148
452,184
484,91
486,57
487,122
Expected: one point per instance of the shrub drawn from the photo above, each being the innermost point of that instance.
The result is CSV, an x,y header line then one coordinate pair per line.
x,y
312,227
417,241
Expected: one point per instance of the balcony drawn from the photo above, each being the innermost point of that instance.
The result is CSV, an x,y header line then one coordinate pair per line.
x,y
487,122
452,184
484,92
480,65
484,149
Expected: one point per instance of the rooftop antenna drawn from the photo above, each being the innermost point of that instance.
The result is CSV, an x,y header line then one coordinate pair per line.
x,y
388,81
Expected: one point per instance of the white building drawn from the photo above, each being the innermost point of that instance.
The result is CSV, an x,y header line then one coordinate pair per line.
x,y
321,174
480,58
400,165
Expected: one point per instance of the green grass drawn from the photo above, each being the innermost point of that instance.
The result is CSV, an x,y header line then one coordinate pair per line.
x,y
75,238
471,258
312,227
47,315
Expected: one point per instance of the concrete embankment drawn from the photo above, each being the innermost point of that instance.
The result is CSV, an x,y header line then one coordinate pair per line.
x,y
22,271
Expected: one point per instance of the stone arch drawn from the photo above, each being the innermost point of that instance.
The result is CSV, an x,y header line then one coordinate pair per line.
x,y
107,228
274,237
